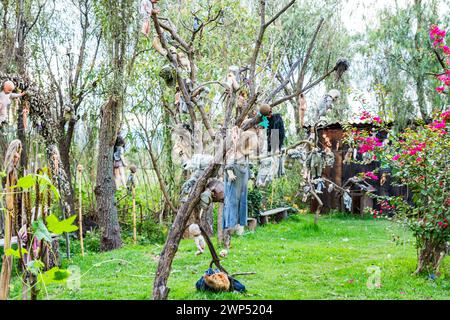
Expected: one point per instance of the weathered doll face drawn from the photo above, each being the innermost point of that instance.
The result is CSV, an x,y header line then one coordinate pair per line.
x,y
16,158
8,87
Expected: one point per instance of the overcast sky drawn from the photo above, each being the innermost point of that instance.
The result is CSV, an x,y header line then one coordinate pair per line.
x,y
360,13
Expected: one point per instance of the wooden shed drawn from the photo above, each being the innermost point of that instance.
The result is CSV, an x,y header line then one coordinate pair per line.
x,y
340,173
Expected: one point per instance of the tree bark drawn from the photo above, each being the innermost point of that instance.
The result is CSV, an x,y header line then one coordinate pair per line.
x,y
430,256
105,186
41,115
160,289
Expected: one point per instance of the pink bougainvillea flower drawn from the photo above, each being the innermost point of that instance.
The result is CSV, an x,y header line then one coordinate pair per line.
x,y
396,157
377,119
437,35
419,159
436,125
371,175
440,89
365,115
446,50
445,115
365,148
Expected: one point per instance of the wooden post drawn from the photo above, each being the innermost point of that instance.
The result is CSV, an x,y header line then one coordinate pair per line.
x,y
80,207
219,224
12,159
133,192
131,184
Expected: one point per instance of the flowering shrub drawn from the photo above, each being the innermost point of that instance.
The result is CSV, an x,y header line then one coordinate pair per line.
x,y
437,36
418,158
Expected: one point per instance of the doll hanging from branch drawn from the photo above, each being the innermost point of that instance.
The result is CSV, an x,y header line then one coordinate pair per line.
x,y
146,9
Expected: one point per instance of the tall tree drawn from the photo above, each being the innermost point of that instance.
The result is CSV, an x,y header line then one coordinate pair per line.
x,y
255,84
68,71
115,17
399,59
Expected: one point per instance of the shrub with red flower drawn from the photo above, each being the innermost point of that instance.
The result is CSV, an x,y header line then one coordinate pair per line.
x,y
418,158
437,36
371,175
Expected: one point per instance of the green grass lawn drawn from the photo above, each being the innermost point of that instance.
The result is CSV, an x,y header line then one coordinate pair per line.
x,y
292,260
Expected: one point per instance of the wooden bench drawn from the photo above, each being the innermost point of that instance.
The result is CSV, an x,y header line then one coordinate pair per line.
x,y
278,213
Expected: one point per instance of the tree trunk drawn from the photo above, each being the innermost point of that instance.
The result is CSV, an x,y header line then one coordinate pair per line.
x,y
105,186
160,289
64,149
430,256
421,98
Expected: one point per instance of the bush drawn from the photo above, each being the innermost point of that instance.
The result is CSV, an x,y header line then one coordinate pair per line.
x,y
419,159
153,232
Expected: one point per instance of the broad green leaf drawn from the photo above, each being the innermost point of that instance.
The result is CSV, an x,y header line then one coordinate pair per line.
x,y
15,253
54,275
40,231
26,182
59,227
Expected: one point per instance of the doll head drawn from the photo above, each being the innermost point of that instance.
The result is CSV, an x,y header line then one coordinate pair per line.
x,y
8,86
194,230
334,94
265,109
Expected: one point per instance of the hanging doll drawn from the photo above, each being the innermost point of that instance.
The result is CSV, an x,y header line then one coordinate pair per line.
x,y
131,181
146,9
194,231
302,109
348,156
315,163
268,169
328,155
25,113
180,103
197,165
327,101
5,99
236,178
347,201
119,162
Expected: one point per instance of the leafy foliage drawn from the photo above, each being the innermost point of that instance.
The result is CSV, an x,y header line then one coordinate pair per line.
x,y
59,227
